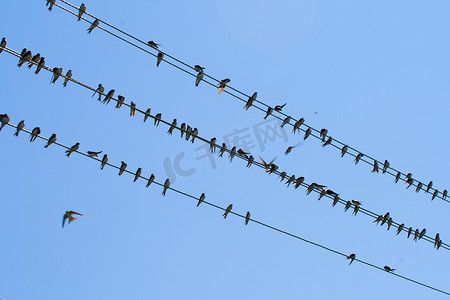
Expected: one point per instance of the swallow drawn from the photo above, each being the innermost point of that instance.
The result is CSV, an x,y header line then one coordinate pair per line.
x,y
385,166
150,180
198,78
297,125
200,200
34,134
282,175
388,269
335,200
378,219
416,234
104,161
188,132
400,228
322,193
242,152
223,84
290,180
328,142
389,223
20,126
299,181
153,44
68,77
356,209
331,192
409,232
69,215
286,121
232,153
323,134
268,112
436,239
222,149
182,129
81,11
439,245
120,101
132,109
93,153
157,119
307,133
50,4
172,127
159,58
93,25
35,60
344,150
51,140
247,218
444,194
100,90
4,120
194,134
266,165
212,143
166,186
26,57
347,205
408,176
289,149
397,177
123,166
138,174
422,233
250,100
199,68
40,65
56,73
279,108
409,182
429,186
72,149
351,257
227,211
2,44
147,114
358,157
385,218
375,167
313,186
273,168
419,187
108,96
24,50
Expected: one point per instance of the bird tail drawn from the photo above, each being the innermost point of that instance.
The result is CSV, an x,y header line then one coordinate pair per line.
x,y
46,146
16,134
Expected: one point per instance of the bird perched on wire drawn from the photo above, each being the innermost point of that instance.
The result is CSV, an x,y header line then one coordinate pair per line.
x,y
429,186
232,153
358,158
132,109
201,199
50,4
150,180
40,65
123,166
279,108
199,68
26,57
56,73
104,161
120,101
250,100
223,84
385,166
269,112
250,161
194,134
68,77
283,175
222,149
153,44
69,215
323,134
212,144
2,44
307,133
72,149
4,119
100,90
172,127
351,257
147,114
243,153
298,124
166,186
138,174
81,11
34,60
375,167
188,132
51,140
199,78
327,142
159,58
34,134
266,165
20,126
157,119
286,121
356,209
94,153
388,269
109,96
344,150
227,211
400,228
93,25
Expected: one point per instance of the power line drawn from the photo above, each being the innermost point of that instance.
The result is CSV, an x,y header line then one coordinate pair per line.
x,y
389,170
200,200
310,187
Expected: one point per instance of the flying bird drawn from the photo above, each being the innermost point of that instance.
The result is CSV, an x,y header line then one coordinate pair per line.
x,y
150,180
138,174
104,161
147,114
200,200
20,126
68,77
94,153
250,100
223,84
100,90
153,44
123,166
279,108
93,25
227,211
4,119
34,134
81,11
166,186
40,65
351,257
72,149
159,58
69,215
51,140
108,96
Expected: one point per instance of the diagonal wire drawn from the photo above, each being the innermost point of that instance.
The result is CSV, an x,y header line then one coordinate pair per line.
x,y
315,133
260,165
244,217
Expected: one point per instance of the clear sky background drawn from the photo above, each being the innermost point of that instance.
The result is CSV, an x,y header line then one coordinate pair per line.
x,y
376,73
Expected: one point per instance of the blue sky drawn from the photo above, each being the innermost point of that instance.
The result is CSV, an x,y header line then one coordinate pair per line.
x,y
376,74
